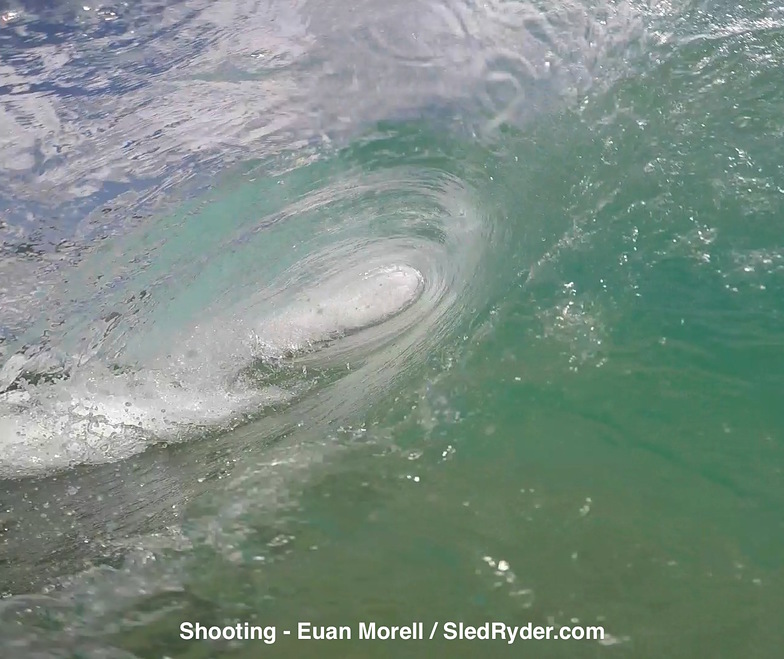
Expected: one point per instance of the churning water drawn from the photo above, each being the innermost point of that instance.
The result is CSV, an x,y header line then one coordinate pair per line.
x,y
340,311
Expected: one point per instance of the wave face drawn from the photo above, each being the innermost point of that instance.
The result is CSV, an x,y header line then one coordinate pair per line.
x,y
232,229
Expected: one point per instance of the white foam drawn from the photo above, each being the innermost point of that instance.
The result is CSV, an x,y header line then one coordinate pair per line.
x,y
98,416
72,422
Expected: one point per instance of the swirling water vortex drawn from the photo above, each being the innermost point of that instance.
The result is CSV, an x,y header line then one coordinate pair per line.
x,y
341,271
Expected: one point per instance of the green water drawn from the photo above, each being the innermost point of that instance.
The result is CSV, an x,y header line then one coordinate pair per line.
x,y
602,414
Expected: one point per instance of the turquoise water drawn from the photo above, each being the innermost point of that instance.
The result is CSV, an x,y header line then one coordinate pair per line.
x,y
574,421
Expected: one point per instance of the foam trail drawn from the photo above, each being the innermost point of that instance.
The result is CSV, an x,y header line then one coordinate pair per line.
x,y
98,416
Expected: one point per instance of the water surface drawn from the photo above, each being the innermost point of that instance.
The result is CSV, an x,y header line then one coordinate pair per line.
x,y
325,311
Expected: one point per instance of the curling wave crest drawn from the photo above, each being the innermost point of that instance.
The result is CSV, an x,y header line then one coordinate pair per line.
x,y
373,263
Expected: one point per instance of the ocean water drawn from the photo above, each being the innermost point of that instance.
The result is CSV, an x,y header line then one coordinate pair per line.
x,y
369,311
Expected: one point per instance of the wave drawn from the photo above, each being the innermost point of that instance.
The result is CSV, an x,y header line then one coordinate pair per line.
x,y
276,286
